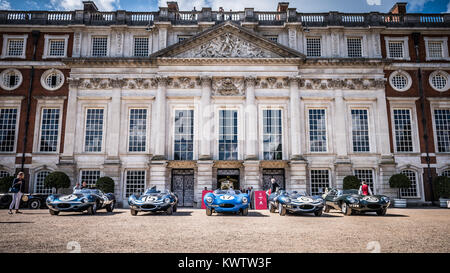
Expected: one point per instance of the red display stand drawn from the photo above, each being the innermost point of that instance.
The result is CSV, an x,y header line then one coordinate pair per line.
x,y
203,195
260,200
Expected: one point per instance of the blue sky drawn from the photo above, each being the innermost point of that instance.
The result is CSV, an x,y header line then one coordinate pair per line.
x,y
427,6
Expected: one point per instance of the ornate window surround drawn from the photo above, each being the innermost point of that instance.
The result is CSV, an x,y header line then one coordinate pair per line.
x,y
404,73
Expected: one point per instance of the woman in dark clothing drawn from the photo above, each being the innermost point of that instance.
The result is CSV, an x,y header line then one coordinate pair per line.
x,y
17,187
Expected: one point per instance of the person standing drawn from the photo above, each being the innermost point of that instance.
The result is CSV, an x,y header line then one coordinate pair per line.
x,y
274,186
16,189
364,189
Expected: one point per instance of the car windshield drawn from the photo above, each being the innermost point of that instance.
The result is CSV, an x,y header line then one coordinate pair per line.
x,y
153,191
341,192
295,194
227,192
87,191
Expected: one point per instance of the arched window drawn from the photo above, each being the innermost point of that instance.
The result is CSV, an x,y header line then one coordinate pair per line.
x,y
446,173
4,173
411,191
39,183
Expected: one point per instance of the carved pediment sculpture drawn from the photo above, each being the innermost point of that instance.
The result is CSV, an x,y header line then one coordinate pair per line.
x,y
227,45
228,87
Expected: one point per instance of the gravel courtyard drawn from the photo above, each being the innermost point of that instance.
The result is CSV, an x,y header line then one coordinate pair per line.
x,y
190,230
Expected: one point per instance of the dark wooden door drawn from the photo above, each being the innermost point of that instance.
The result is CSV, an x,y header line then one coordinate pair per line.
x,y
183,186
278,174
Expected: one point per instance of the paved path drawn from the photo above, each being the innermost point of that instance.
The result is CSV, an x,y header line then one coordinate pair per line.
x,y
190,230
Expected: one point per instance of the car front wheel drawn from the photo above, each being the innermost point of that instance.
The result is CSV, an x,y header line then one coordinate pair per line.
x,y
110,207
281,210
272,208
345,209
245,212
208,211
381,212
34,204
92,209
169,211
318,212
326,209
53,212
134,212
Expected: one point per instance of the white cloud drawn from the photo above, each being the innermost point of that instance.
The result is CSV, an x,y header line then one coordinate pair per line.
x,y
103,5
373,2
448,7
4,5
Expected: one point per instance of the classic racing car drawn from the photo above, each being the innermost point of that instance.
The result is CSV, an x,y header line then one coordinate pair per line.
x,y
295,202
226,201
89,200
153,200
29,200
349,201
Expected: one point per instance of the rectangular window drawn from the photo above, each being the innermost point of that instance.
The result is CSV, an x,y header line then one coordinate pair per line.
x,y
313,47
99,46
49,130
39,183
360,130
395,50
90,177
228,135
272,135
140,46
8,121
56,48
317,130
272,38
320,179
442,124
15,47
181,38
411,191
403,131
184,135
138,130
435,49
94,130
354,48
135,183
366,176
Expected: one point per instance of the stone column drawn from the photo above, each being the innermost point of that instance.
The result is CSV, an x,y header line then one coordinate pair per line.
x,y
206,119
252,174
295,117
342,162
159,120
204,179
71,118
113,124
297,176
158,174
381,118
251,120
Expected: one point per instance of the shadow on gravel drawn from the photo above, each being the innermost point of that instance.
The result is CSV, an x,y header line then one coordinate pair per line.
x,y
311,215
162,213
250,214
375,215
62,214
16,222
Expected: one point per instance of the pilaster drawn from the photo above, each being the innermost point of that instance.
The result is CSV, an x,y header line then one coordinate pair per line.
x,y
298,181
206,119
251,120
204,179
252,175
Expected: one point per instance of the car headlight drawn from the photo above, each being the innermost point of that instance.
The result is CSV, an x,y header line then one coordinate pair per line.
x,y
84,200
386,199
50,198
286,199
352,200
209,199
167,200
318,200
244,200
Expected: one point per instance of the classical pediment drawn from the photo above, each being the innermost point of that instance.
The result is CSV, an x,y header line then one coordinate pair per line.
x,y
227,40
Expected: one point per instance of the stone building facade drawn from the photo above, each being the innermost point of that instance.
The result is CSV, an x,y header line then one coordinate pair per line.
x,y
186,99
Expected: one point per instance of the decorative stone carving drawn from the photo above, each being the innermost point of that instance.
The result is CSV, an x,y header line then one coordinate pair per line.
x,y
205,81
250,81
352,84
227,45
183,83
73,83
95,83
272,83
228,87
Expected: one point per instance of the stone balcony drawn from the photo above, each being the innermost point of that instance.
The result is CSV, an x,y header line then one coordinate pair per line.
x,y
248,15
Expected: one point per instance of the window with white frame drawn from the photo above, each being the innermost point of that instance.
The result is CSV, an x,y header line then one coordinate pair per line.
x,y
412,190
228,135
99,46
435,49
8,123
366,175
39,186
10,79
4,174
184,135
272,134
134,183
49,130
57,47
442,129
395,49
313,47
400,80
354,47
317,130
320,179
439,81
15,47
141,46
360,130
446,173
90,177
94,130
137,138
403,130
52,79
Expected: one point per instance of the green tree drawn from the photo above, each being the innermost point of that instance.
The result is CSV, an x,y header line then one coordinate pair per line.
x,y
441,186
351,182
399,181
6,183
106,184
57,180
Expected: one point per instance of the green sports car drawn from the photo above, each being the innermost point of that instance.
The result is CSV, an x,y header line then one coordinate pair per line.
x,y
349,201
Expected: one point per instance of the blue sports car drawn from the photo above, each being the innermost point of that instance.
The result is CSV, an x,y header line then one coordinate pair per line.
x,y
89,200
226,201
153,200
295,202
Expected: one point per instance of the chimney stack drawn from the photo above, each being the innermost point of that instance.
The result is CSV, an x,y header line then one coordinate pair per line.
x,y
399,8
